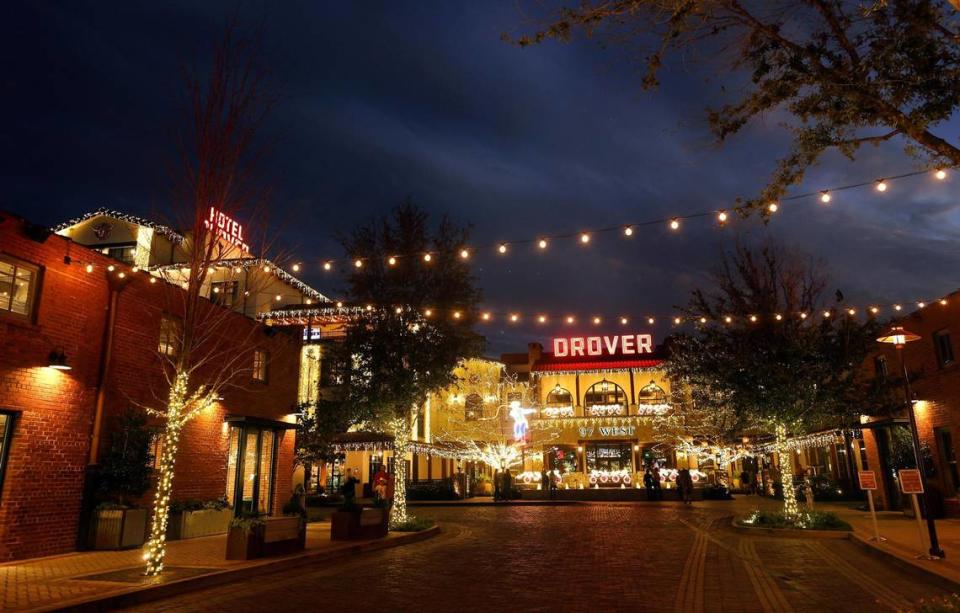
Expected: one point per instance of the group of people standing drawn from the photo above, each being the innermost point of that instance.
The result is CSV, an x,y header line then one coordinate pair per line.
x,y
652,481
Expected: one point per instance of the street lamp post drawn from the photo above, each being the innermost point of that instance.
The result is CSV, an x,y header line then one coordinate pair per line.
x,y
899,337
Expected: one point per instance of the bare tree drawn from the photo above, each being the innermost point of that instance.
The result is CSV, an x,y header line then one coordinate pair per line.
x,y
204,354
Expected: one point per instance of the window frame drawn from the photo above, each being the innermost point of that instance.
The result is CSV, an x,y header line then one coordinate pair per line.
x,y
6,439
172,343
943,345
33,291
259,373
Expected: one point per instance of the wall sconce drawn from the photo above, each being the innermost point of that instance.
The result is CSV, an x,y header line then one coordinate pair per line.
x,y
58,360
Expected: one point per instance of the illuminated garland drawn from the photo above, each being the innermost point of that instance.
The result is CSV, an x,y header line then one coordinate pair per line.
x,y
414,446
244,264
790,508
329,309
806,441
168,233
721,217
563,422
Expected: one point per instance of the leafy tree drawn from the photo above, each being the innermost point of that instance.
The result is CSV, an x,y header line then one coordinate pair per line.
x,y
787,374
397,352
319,424
126,467
848,73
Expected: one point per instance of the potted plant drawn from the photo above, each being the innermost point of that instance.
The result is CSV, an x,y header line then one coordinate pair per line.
x,y
193,518
246,537
124,477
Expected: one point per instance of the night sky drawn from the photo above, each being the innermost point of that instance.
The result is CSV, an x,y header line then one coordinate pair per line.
x,y
384,100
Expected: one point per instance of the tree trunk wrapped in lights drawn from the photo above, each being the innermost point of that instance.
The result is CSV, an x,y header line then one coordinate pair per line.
x,y
401,440
790,508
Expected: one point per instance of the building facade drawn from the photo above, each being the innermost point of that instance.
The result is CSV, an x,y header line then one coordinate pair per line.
x,y
931,363
81,336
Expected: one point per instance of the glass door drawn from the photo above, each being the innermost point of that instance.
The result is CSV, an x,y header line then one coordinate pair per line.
x,y
250,470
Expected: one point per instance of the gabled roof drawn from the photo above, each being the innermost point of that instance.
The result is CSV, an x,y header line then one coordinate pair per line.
x,y
166,231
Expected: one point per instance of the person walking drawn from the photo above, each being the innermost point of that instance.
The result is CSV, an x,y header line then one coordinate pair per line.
x,y
657,490
497,480
745,482
507,487
553,485
685,485
648,483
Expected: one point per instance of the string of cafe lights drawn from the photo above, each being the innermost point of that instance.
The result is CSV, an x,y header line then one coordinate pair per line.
x,y
307,313
585,237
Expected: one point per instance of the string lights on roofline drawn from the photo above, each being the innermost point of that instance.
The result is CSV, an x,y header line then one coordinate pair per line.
x,y
541,318
673,224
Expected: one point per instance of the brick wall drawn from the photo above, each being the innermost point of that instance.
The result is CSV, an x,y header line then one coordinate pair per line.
x,y
936,387
41,496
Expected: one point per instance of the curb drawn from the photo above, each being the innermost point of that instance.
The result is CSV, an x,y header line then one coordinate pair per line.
x,y
906,563
793,532
142,594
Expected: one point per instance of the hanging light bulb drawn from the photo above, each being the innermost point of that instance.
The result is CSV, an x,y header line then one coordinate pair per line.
x,y
851,312
542,319
874,310
502,248
514,318
623,320
111,268
89,268
826,313
398,310
897,307
674,224
358,263
122,274
703,320
722,217
628,231
778,317
570,319
803,315
941,174
485,316
773,207
456,314
676,321
464,253
266,268
339,305
584,238
369,307
427,257
309,301
921,304
943,301
596,321
327,265
753,319
825,197
881,185
728,319
427,312
392,261
542,243
650,320
295,268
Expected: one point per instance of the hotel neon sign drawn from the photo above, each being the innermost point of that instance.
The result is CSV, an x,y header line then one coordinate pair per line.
x,y
227,228
624,344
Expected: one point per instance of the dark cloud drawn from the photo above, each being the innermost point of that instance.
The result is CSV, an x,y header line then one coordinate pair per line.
x,y
385,100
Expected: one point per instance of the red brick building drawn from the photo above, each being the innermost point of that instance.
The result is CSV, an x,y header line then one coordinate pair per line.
x,y
64,304
934,375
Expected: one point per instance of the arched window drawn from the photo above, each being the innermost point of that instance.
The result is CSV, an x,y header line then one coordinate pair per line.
x,y
652,400
604,399
473,407
559,403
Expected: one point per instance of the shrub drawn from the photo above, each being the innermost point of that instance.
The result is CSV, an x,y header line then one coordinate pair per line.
x,y
804,520
413,524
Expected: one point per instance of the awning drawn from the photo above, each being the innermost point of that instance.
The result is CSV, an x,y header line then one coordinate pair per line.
x,y
260,422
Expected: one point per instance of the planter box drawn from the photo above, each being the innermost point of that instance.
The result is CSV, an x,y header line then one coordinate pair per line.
x,y
192,524
353,525
117,529
278,536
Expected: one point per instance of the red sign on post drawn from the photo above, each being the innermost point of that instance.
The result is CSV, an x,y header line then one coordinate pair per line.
x,y
910,482
868,480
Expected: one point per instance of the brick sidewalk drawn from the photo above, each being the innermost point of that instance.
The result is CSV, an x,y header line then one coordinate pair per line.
x,y
56,581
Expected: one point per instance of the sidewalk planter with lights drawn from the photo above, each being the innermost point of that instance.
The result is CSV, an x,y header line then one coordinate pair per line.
x,y
258,537
193,523
358,523
807,524
117,528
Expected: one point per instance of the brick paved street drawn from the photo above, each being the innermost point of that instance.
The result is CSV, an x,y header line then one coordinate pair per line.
x,y
596,557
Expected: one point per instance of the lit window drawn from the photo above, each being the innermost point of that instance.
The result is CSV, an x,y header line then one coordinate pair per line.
x,y
122,253
224,293
260,365
6,433
18,284
944,347
170,329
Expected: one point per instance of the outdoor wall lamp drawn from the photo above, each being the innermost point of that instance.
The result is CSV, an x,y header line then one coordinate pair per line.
x,y
58,360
